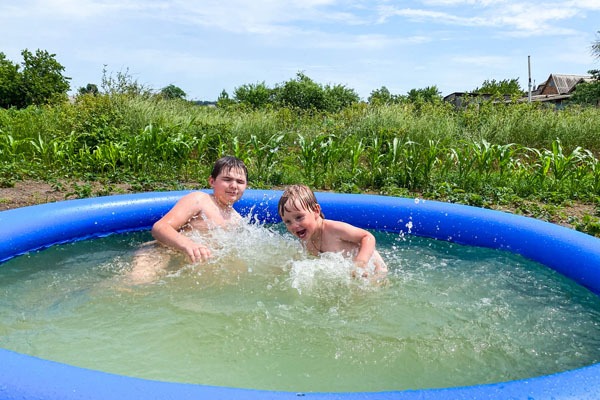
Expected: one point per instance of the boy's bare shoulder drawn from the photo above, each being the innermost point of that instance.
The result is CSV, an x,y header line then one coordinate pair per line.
x,y
197,196
335,225
193,202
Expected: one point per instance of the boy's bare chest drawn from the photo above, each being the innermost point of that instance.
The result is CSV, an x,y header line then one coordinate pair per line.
x,y
214,217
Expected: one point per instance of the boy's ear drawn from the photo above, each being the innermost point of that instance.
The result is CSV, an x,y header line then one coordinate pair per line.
x,y
317,209
211,181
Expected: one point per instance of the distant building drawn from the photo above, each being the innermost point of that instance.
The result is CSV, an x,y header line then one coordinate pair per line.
x,y
558,84
555,90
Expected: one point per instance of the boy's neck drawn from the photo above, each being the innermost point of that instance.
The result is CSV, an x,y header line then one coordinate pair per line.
x,y
227,207
317,238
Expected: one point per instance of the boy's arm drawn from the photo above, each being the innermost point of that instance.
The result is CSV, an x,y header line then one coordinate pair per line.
x,y
366,249
363,239
166,229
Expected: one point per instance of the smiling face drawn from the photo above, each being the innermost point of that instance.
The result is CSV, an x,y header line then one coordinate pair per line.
x,y
229,185
299,221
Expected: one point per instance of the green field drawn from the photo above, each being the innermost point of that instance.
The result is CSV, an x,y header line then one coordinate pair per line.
x,y
529,158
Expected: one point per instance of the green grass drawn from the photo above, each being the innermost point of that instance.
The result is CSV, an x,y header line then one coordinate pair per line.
x,y
489,155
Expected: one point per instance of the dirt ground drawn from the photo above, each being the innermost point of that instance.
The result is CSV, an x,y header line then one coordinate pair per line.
x,y
27,193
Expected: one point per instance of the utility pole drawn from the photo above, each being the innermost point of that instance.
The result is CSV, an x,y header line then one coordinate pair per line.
x,y
529,69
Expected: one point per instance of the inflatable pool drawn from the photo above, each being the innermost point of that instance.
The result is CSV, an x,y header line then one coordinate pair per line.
x,y
573,254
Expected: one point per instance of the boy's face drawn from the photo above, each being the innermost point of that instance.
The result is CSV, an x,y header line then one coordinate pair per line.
x,y
300,222
229,185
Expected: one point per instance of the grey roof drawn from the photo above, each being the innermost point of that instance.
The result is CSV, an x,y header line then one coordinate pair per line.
x,y
566,83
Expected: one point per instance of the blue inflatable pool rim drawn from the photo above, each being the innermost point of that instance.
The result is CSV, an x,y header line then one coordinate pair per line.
x,y
573,254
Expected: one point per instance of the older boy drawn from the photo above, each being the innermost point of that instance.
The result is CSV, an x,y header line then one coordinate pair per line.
x,y
196,211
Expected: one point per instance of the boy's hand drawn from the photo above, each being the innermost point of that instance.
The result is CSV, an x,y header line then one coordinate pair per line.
x,y
198,253
360,269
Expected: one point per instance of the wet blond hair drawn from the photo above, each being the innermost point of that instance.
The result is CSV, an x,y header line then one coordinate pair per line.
x,y
300,195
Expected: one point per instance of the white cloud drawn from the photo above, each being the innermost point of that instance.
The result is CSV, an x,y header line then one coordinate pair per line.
x,y
205,46
516,18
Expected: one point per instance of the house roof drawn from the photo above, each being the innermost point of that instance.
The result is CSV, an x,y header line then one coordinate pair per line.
x,y
564,83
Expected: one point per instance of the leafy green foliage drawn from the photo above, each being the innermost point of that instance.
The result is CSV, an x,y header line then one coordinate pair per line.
x,y
224,101
383,96
338,97
499,89
11,90
588,93
256,96
483,156
596,46
90,88
122,83
172,92
40,80
301,93
430,94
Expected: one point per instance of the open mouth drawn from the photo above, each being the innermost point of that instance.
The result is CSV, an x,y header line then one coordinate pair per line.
x,y
301,233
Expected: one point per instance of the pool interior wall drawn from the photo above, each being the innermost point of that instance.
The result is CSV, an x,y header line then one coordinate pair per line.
x,y
22,230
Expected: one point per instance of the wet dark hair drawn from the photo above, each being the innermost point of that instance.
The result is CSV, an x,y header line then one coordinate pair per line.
x,y
228,163
301,194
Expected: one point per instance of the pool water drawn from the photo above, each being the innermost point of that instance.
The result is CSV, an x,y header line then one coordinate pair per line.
x,y
262,315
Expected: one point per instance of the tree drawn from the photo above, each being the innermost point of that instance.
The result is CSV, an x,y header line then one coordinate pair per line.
x,y
39,81
588,93
383,96
172,92
123,84
302,92
223,100
90,88
505,87
306,94
430,94
11,93
596,46
338,97
42,80
255,95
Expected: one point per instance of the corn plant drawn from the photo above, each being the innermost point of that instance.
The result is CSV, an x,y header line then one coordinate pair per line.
x,y
329,152
9,147
430,158
563,165
483,155
308,157
374,158
41,149
108,156
263,153
356,152
540,166
157,143
239,149
594,168
410,163
463,160
505,157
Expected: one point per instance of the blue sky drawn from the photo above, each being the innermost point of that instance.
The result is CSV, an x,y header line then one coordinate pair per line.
x,y
208,46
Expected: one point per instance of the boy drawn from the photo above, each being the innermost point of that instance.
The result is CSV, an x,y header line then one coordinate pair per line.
x,y
197,211
303,218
